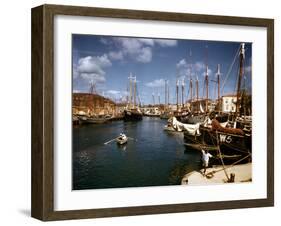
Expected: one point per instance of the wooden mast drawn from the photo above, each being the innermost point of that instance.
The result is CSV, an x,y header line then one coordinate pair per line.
x,y
207,87
190,83
168,95
191,92
182,93
135,88
127,97
241,72
177,93
130,84
207,81
218,81
197,94
165,95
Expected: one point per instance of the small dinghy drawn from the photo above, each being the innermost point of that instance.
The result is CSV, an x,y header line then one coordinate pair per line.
x,y
122,139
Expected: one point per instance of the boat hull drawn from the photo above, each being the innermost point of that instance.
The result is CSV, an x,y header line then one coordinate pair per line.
x,y
121,141
231,146
90,120
132,115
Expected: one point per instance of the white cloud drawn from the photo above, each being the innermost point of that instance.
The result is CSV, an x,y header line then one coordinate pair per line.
x,y
93,77
182,63
91,68
145,55
138,49
92,64
156,83
199,66
182,68
118,55
113,92
104,41
129,45
116,94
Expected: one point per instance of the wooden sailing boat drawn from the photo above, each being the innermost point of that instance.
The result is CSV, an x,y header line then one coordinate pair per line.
x,y
197,114
167,113
132,113
231,140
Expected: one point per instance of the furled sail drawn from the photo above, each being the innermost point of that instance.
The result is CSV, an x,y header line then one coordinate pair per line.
x,y
201,108
192,129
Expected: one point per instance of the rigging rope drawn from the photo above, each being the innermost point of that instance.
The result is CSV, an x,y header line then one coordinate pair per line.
x,y
230,69
240,160
222,162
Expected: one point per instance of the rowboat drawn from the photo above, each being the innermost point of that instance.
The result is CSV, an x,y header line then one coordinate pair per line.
x,y
122,139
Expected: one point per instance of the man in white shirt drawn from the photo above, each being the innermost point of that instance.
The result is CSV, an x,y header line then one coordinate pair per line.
x,y
205,159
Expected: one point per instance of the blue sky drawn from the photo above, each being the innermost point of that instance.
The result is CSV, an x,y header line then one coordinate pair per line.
x,y
108,61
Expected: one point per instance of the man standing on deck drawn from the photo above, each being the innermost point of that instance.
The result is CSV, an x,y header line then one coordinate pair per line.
x,y
205,159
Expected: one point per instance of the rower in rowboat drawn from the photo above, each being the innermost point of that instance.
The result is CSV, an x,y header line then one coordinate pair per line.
x,y
122,139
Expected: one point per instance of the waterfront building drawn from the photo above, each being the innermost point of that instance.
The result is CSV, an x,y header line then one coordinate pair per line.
x,y
228,103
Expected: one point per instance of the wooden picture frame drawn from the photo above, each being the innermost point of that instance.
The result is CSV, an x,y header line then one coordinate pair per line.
x,y
42,205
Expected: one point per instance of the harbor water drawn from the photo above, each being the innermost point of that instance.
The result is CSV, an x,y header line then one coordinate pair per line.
x,y
154,158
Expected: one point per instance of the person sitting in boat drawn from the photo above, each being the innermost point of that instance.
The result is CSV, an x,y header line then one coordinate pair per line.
x,y
123,136
205,159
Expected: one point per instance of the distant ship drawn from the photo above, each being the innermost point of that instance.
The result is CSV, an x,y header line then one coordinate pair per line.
x,y
132,112
132,115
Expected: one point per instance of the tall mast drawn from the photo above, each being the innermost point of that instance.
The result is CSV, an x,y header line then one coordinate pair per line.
x,y
191,92
153,99
191,89
165,93
207,87
182,93
190,75
207,79
127,97
135,90
218,80
130,84
197,93
177,93
241,72
168,95
159,98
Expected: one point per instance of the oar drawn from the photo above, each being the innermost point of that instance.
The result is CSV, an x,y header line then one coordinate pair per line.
x,y
109,141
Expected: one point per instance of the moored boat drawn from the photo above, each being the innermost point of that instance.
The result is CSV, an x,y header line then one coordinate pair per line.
x,y
93,120
132,112
132,115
